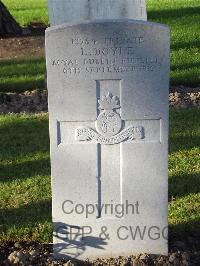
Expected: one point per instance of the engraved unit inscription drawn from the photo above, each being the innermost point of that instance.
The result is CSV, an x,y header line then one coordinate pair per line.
x,y
131,133
109,54
108,125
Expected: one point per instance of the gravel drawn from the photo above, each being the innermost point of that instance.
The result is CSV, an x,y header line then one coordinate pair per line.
x,y
36,101
33,253
28,101
183,100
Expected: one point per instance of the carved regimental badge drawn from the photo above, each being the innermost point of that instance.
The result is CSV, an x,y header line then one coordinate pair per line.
x,y
109,125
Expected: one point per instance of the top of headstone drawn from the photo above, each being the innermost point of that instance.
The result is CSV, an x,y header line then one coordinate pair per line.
x,y
62,11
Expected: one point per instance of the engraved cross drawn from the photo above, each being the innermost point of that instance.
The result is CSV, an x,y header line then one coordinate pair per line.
x,y
109,134
112,136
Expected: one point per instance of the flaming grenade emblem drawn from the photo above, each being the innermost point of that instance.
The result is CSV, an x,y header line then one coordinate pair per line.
x,y
108,122
109,125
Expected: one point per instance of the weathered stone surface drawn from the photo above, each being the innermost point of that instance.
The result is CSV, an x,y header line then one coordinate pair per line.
x,y
80,10
106,77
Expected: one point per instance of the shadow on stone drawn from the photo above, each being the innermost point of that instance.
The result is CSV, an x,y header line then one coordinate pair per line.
x,y
73,241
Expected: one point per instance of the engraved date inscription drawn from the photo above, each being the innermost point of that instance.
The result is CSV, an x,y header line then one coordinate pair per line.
x,y
108,55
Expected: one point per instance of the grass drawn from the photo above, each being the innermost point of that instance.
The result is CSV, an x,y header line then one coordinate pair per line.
x,y
25,178
184,172
26,11
25,204
22,74
182,16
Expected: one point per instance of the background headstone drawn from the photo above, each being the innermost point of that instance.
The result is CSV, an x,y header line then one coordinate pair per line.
x,y
108,109
61,11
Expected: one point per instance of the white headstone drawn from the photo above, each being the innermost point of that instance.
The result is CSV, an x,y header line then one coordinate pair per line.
x,y
61,11
108,111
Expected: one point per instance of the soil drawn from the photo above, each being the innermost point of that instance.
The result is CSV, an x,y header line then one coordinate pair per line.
x,y
36,101
29,44
19,47
28,102
32,253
